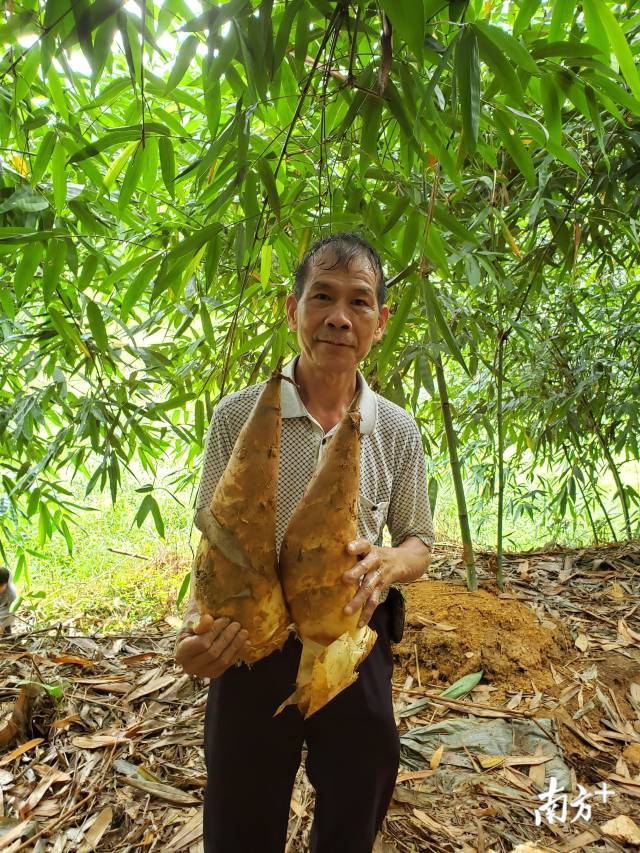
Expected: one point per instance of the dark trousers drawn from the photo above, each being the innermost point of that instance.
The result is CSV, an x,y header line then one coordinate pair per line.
x,y
353,753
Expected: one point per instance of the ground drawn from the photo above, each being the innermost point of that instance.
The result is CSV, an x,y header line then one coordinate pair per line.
x,y
115,763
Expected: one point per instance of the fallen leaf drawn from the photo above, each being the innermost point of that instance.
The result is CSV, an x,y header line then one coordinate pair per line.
x,y
582,642
97,741
66,722
432,824
97,829
627,637
413,775
513,703
78,661
489,761
20,750
623,830
164,792
48,778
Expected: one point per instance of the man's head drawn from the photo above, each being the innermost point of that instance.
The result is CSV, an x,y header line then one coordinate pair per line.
x,y
4,578
339,250
337,305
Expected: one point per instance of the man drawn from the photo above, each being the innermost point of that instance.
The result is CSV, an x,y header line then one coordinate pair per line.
x,y
337,310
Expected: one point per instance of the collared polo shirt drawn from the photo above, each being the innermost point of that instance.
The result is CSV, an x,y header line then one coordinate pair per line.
x,y
393,482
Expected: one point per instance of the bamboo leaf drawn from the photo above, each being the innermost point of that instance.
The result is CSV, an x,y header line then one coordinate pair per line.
x,y
138,286
502,68
269,183
467,69
97,326
129,42
527,11
150,159
207,327
302,33
57,93
596,30
432,306
167,164
508,45
64,327
265,264
463,685
185,57
410,233
284,31
53,266
395,326
184,588
407,19
131,178
514,146
26,269
563,12
433,494
150,505
551,103
118,137
59,176
118,164
43,156
618,41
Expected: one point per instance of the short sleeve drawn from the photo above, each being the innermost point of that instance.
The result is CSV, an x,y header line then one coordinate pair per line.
x,y
409,512
218,449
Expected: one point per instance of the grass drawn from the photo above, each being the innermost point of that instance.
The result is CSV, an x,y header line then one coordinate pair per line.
x,y
99,590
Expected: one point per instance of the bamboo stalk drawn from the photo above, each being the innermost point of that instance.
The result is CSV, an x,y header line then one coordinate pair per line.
x,y
454,461
499,542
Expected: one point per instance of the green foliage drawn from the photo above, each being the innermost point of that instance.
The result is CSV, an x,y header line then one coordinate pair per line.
x,y
161,177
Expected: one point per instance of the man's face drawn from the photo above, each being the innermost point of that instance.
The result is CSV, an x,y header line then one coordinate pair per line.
x,y
3,587
337,318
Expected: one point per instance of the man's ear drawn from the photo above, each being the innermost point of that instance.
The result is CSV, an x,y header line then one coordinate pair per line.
x,y
291,305
383,316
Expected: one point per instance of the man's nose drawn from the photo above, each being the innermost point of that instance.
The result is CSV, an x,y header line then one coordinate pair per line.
x,y
338,318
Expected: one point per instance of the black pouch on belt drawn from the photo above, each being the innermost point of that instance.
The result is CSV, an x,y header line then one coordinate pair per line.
x,y
396,605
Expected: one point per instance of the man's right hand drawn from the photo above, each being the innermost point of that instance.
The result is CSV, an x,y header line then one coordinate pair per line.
x,y
212,648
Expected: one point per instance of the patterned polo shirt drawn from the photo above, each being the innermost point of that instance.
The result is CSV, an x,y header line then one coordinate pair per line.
x,y
393,482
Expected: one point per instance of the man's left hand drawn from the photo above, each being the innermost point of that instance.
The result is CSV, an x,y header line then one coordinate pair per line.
x,y
376,569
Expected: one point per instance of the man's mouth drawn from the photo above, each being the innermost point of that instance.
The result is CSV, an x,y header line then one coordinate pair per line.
x,y
334,344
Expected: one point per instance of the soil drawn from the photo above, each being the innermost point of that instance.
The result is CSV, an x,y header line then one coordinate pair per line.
x,y
455,632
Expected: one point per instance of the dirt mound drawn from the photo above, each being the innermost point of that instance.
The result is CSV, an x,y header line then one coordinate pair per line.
x,y
455,632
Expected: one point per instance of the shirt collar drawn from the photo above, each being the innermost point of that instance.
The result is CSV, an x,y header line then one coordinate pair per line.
x,y
293,407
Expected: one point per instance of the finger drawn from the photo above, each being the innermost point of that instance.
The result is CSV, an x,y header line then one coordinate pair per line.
x,y
230,654
371,563
214,662
366,587
208,623
359,546
370,606
219,646
191,647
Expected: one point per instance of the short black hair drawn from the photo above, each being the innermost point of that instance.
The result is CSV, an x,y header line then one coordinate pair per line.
x,y
346,245
4,575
